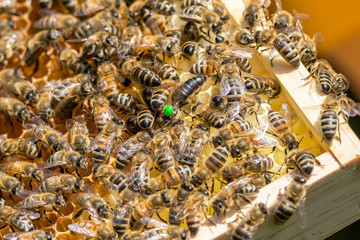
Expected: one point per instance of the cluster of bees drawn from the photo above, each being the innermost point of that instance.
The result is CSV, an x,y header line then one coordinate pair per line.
x,y
166,122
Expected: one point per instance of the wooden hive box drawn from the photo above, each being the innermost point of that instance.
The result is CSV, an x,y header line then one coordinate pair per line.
x,y
333,196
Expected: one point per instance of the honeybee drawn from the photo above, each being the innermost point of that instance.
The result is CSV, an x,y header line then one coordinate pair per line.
x,y
68,159
156,44
249,104
255,163
9,44
281,43
243,37
161,231
140,169
161,95
194,210
340,84
10,74
179,133
204,16
39,43
181,197
260,180
171,177
190,49
145,76
48,137
63,22
165,71
231,85
111,177
161,147
207,67
161,6
199,136
32,235
78,135
101,110
6,25
90,7
126,150
72,60
24,90
76,96
89,27
70,4
185,90
23,170
302,160
228,196
222,50
11,185
290,200
233,129
213,117
218,102
19,146
148,207
329,121
104,141
121,218
108,81
96,205
45,202
349,108
132,32
43,106
257,84
63,183
307,48
15,218
126,101
324,76
7,6
282,20
249,225
153,21
252,12
283,127
13,108
94,229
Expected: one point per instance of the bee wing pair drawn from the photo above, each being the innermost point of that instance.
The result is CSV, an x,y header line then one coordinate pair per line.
x,y
225,87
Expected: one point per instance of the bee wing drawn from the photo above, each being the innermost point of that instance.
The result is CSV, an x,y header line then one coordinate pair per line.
x,y
238,52
260,140
131,146
224,85
141,174
300,16
51,164
15,235
39,121
75,227
207,3
88,7
278,5
181,211
153,222
285,111
233,110
191,17
122,210
94,143
3,137
318,38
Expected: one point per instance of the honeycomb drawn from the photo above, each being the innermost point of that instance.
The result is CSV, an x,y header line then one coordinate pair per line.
x,y
27,12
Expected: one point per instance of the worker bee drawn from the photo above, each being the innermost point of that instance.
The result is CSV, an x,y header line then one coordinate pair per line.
x,y
89,27
48,137
165,71
72,60
43,105
251,141
349,108
45,202
126,101
179,134
340,84
249,104
89,7
233,129
213,117
148,207
153,21
32,235
204,16
243,37
302,160
249,225
207,67
101,110
23,90
11,185
283,127
7,6
199,136
108,81
121,218
15,218
96,205
181,197
9,44
324,76
132,32
78,135
190,49
290,200
39,43
281,43
59,21
6,25
23,170
329,120
104,141
161,95
111,177
228,196
19,146
161,147
161,6
63,183
156,44
258,85
171,177
260,180
126,150
218,102
184,90
255,163
76,96
8,75
13,108
307,48
252,12
231,85
160,229
282,20
68,159
145,76
93,229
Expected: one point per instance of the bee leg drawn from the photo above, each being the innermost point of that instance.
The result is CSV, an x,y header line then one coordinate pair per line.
x,y
84,111
12,228
35,68
67,171
157,214
60,213
4,226
12,199
30,185
77,173
339,131
62,169
47,218
243,198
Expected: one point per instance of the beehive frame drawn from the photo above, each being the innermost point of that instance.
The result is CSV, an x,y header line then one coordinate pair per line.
x,y
333,196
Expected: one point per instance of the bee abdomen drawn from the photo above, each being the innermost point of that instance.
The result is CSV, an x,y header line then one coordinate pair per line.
x,y
174,176
278,121
145,118
329,124
146,77
284,211
203,68
240,126
126,101
168,72
305,162
324,81
287,50
244,64
242,232
22,222
215,119
218,158
159,99
259,163
183,92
